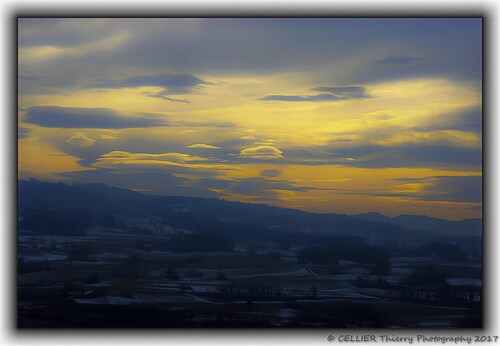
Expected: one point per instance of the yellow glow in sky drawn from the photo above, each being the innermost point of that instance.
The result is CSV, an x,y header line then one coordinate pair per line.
x,y
299,136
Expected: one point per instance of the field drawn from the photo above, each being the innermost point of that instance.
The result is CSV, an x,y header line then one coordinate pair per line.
x,y
129,279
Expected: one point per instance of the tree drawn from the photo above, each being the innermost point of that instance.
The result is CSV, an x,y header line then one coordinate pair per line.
x,y
382,266
171,274
284,244
221,276
314,291
133,266
78,253
273,254
447,252
425,276
93,279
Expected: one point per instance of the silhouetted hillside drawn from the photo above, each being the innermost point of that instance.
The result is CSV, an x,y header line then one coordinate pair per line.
x,y
86,249
468,227
234,219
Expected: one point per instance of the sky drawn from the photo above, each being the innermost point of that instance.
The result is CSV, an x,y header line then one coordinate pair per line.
x,y
342,115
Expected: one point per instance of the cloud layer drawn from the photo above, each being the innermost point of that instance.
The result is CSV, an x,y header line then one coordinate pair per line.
x,y
324,114
68,117
467,189
262,152
329,94
396,60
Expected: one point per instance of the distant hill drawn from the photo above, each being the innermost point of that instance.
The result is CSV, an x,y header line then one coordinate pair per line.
x,y
235,218
374,216
469,227
35,194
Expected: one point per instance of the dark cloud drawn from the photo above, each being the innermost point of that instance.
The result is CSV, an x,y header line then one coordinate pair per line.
x,y
349,92
28,77
476,207
270,173
156,183
426,155
135,141
291,98
22,132
468,120
437,154
176,84
396,60
104,118
330,94
164,96
251,186
63,32
289,44
450,46
172,84
167,183
459,189
219,124
466,189
262,187
210,183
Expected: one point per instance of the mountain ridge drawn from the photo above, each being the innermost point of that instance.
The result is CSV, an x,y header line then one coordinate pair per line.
x,y
429,223
96,197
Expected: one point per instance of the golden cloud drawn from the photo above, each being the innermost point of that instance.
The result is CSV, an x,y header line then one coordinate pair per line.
x,y
262,152
202,146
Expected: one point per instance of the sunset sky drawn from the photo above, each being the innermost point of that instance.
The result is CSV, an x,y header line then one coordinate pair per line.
x,y
326,115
